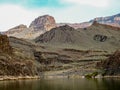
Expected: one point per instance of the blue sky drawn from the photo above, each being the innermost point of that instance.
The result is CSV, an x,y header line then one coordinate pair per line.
x,y
15,12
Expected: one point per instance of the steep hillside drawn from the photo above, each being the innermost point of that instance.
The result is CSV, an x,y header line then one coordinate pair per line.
x,y
97,36
12,62
62,34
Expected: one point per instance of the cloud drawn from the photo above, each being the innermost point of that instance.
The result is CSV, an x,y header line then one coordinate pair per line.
x,y
12,15
95,3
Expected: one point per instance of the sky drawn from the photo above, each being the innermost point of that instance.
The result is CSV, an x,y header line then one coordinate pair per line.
x,y
15,12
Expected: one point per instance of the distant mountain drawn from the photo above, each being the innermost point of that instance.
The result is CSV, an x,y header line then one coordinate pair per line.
x,y
95,36
109,20
45,23
75,25
36,28
62,34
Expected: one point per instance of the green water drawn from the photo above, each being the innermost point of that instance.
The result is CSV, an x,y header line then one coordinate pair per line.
x,y
62,84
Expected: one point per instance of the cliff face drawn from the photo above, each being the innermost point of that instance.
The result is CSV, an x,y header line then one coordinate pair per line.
x,y
45,22
4,44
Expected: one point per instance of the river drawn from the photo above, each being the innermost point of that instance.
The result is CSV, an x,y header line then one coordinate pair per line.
x,y
62,84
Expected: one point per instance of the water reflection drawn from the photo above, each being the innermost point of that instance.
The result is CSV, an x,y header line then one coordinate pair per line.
x,y
62,84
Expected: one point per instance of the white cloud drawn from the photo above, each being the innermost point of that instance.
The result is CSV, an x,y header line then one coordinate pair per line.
x,y
11,15
95,3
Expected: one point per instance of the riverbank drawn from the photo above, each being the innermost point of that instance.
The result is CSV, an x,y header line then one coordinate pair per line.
x,y
2,78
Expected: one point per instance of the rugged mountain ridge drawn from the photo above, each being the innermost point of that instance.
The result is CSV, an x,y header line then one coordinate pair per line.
x,y
109,20
45,23
36,28
91,37
113,20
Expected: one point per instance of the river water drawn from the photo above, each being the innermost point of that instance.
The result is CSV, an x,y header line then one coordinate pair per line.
x,y
62,84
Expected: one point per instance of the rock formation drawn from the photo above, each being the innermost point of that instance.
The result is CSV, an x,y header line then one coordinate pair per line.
x,y
4,44
37,27
45,22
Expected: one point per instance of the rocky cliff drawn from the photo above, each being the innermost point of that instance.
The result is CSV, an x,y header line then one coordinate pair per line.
x,y
45,22
4,44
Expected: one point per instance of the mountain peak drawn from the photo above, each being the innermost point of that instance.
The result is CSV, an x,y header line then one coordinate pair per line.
x,y
65,27
62,34
45,22
95,22
20,26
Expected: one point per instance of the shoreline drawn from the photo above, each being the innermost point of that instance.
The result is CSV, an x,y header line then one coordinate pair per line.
x,y
4,78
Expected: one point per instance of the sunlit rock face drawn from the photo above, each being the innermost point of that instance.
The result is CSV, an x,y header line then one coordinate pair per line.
x,y
39,26
45,22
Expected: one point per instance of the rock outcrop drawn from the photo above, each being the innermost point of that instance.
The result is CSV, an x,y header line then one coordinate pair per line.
x,y
45,22
111,66
4,44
